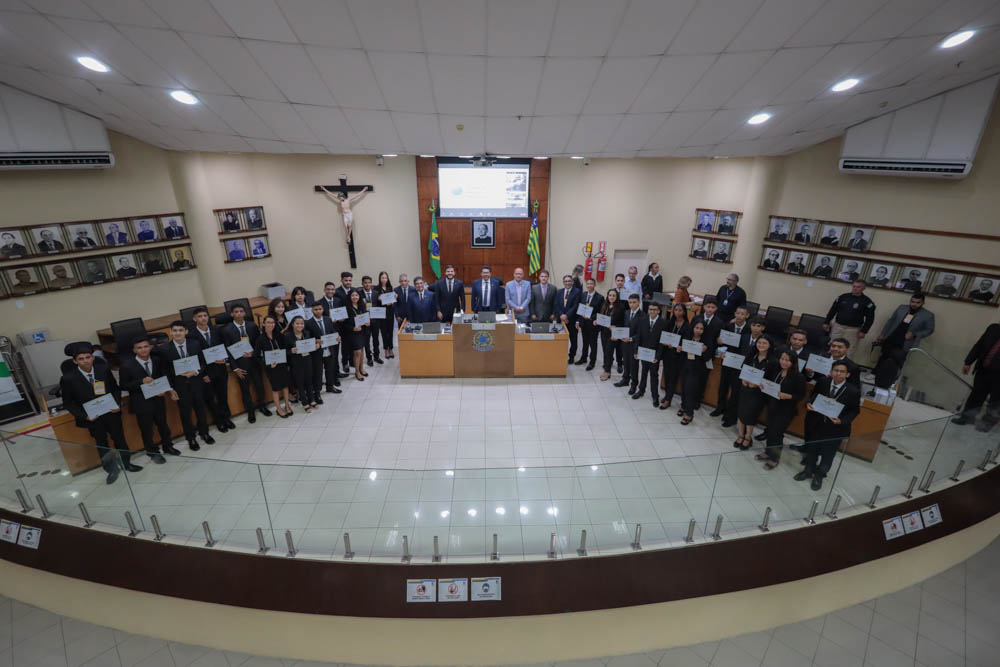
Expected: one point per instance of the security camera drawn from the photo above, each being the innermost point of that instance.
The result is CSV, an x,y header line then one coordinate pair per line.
x,y
586,162
379,160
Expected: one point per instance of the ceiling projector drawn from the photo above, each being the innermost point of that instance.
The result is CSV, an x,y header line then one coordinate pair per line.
x,y
483,161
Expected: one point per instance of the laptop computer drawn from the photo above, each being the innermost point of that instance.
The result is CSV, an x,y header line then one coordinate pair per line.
x,y
541,327
486,317
432,328
662,299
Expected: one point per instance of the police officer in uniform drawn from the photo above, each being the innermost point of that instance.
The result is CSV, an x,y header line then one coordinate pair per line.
x,y
851,315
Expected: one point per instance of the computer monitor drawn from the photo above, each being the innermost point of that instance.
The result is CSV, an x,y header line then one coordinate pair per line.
x,y
541,327
662,299
432,328
486,317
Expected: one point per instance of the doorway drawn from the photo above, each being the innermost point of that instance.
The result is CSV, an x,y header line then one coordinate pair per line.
x,y
626,258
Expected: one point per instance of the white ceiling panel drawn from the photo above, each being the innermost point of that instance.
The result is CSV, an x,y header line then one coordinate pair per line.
x,y
745,148
519,27
774,24
375,130
507,135
289,67
459,84
176,58
618,84
892,20
565,84
283,121
585,27
456,27
719,126
235,65
255,19
127,12
799,115
784,66
949,17
118,52
676,129
470,139
836,65
634,131
321,22
694,151
549,134
649,26
238,115
268,145
42,85
978,54
349,77
190,15
728,72
207,141
512,85
674,77
592,133
712,25
745,131
156,107
200,116
307,148
387,25
404,80
835,21
37,42
419,132
897,62
329,126
68,8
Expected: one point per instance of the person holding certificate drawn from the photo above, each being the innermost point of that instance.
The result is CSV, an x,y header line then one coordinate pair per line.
x,y
355,342
751,400
694,371
613,308
673,360
834,404
370,296
276,309
271,340
187,375
567,299
713,326
735,336
647,353
300,345
384,327
630,321
88,382
216,374
247,365
588,330
140,372
781,409
300,299
325,357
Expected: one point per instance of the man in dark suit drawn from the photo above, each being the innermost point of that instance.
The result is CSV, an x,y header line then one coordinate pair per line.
x,y
49,242
83,383
587,326
344,294
839,347
146,231
904,330
796,266
10,248
450,294
710,316
804,235
83,239
779,232
543,299
115,236
125,268
984,362
404,292
823,435
487,293
247,366
825,268
567,299
216,375
136,371
730,297
858,242
173,230
189,385
984,293
324,358
370,297
647,334
701,249
423,305
729,379
632,314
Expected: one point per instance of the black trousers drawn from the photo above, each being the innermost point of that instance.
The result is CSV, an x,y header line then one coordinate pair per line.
x,y
157,418
985,384
371,341
650,370
345,349
109,425
588,331
630,373
571,330
729,392
302,376
609,349
694,375
779,415
216,392
326,365
191,397
820,455
672,364
889,365
384,329
252,377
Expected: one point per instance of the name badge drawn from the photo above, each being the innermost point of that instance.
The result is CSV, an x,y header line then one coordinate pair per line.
x,y
907,319
725,302
855,306
690,356
99,389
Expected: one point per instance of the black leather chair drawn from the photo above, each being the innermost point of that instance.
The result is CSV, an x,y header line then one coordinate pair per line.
x,y
776,322
818,339
753,308
245,302
123,332
187,314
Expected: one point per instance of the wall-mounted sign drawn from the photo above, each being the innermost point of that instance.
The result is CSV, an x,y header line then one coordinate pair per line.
x,y
912,522
421,590
8,531
485,588
931,515
453,590
29,537
893,528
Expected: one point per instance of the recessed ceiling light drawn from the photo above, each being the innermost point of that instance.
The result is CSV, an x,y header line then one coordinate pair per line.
x,y
758,118
472,511
541,157
445,514
93,64
575,157
503,157
465,157
957,38
501,510
449,473
372,475
524,510
390,154
553,511
846,84
426,156
183,96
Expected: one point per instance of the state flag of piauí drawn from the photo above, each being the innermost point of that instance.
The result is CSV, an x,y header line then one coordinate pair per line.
x,y
534,252
433,247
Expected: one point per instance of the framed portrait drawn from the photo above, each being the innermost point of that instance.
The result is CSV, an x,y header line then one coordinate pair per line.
x,y
983,289
24,280
13,244
728,221
152,262
804,231
699,248
851,269
83,235
145,230
180,258
173,227
947,284
831,235
779,230
125,266
483,232
48,239
60,276
93,270
859,239
704,221
236,250
259,247
881,275
230,220
771,258
722,251
798,263
823,266
912,278
115,233
254,218
4,292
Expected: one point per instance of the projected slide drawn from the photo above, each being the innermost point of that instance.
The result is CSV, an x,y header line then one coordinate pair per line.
x,y
500,191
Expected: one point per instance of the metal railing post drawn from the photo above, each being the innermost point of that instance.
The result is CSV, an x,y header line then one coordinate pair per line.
x,y
25,503
209,542
292,551
909,489
636,543
42,506
406,550
348,554
87,521
436,558
582,549
958,470
262,547
836,505
717,535
552,546
132,530
156,528
871,503
811,519
767,519
689,538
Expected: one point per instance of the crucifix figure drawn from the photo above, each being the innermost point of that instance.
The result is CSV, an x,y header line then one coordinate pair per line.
x,y
340,196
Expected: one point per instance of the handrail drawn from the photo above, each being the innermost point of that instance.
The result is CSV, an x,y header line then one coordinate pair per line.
x,y
940,364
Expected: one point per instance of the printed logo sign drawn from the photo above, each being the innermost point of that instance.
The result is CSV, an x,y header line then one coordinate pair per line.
x,y
482,341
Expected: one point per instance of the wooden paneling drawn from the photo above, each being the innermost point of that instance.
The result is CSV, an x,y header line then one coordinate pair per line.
x,y
454,234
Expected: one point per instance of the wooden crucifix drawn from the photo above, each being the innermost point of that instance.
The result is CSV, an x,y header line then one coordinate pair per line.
x,y
340,195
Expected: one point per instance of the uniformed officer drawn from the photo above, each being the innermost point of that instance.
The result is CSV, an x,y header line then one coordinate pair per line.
x,y
851,315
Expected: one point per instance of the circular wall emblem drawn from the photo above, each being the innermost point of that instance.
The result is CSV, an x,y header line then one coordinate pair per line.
x,y
482,341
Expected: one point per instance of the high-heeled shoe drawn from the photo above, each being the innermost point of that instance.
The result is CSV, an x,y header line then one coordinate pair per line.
x,y
359,378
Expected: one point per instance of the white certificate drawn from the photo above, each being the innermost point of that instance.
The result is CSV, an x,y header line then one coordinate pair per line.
x,y
819,364
691,346
619,333
730,338
158,386
274,356
604,321
802,363
584,310
362,319
305,346
337,314
732,360
827,407
751,374
240,347
377,313
215,353
646,354
387,299
296,312
770,388
101,405
667,338
330,339
186,364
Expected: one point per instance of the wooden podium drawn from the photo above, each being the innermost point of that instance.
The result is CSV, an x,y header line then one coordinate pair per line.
x,y
483,350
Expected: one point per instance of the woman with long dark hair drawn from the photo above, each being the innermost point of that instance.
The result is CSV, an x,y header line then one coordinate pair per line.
x,y
384,327
751,398
673,360
615,308
301,363
355,307
781,410
278,375
276,309
299,300
693,373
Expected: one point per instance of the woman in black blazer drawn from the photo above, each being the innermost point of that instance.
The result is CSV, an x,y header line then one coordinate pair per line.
x,y
693,373
276,309
384,327
781,410
615,308
652,282
278,375
673,360
355,307
751,399
300,299
302,364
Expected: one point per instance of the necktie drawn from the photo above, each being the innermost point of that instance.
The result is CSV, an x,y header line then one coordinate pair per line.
x,y
486,293
420,296
90,378
588,298
406,293
180,349
835,390
208,337
146,365
243,331
652,323
543,290
451,287
322,327
565,297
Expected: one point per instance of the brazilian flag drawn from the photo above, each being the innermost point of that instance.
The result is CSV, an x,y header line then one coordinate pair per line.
x,y
433,247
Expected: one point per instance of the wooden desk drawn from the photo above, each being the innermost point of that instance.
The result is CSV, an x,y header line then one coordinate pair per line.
x,y
540,357
426,358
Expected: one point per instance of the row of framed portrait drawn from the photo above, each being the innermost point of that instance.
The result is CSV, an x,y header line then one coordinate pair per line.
x,y
716,250
28,279
856,238
245,248
235,220
62,237
712,221
943,283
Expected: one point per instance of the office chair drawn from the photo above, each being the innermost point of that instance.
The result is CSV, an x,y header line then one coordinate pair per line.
x,y
187,314
818,339
245,302
753,308
123,331
776,321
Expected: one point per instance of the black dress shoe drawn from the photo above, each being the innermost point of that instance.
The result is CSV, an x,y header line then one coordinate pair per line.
x,y
112,475
620,368
193,445
716,412
795,448
370,363
209,440
656,401
632,390
343,375
761,437
590,367
802,476
581,361
222,427
346,368
817,483
726,423
319,401
961,420
378,361
334,390
230,425
637,395
622,383
131,467
264,411
156,457
170,449
251,418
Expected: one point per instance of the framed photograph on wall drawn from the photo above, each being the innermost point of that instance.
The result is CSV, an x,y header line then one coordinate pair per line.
x,y
125,266
483,232
115,233
912,278
48,239
804,231
13,244
983,289
24,280
230,220
145,230
859,239
152,262
699,248
722,251
798,262
236,250
771,258
824,266
259,247
728,221
947,284
180,258
83,235
851,269
778,230
93,270
4,292
254,217
173,227
881,275
60,276
704,221
831,235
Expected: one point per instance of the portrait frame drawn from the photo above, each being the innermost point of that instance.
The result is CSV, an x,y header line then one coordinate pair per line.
x,y
84,272
4,292
823,271
791,267
809,236
867,237
827,229
904,281
142,226
19,246
942,289
888,281
231,249
847,274
487,241
767,259
168,232
725,246
704,220
701,244
779,230
727,219
230,220
128,271
36,281
173,260
974,286
152,261
112,230
252,246
249,222
76,242
58,237
57,283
